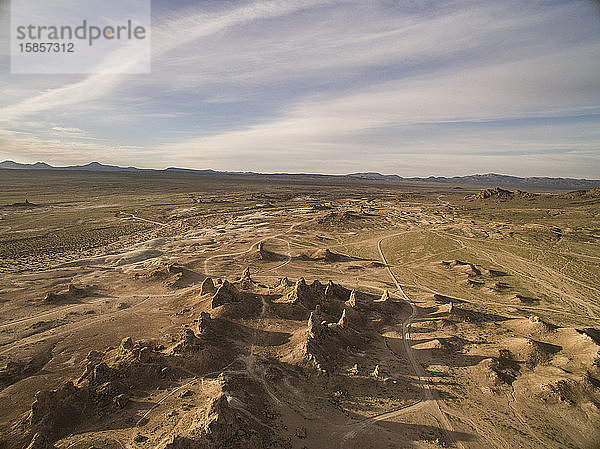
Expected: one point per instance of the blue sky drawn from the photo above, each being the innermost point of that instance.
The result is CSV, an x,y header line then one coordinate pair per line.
x,y
415,88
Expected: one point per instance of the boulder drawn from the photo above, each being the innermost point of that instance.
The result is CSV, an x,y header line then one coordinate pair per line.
x,y
144,354
207,287
376,371
127,344
121,400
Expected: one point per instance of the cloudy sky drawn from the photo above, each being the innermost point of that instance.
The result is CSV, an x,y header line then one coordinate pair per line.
x,y
414,87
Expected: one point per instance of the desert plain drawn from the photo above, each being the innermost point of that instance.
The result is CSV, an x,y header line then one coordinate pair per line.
x,y
176,310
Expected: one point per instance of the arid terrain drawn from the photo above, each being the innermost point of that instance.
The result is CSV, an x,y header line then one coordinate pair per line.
x,y
171,310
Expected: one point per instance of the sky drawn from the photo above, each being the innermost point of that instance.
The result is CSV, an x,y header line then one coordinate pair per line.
x,y
415,88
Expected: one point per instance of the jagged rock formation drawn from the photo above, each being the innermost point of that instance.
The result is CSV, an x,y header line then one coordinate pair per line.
x,y
376,371
246,275
225,294
465,267
578,194
329,290
500,194
327,342
110,378
336,291
212,342
127,344
459,314
225,423
207,287
73,292
204,323
307,295
316,322
229,302
500,371
342,321
268,256
221,421
173,275
353,371
324,255
351,302
245,281
55,413
284,283
260,248
331,257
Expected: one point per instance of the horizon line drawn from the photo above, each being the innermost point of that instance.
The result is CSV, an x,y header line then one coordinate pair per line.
x,y
280,173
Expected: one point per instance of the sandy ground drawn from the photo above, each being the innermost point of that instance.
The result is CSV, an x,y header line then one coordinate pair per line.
x,y
487,336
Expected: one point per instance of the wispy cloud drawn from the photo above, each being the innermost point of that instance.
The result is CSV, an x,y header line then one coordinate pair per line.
x,y
64,151
71,132
171,33
335,86
401,116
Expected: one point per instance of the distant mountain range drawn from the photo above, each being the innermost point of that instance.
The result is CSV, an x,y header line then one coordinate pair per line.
x,y
489,179
92,166
493,179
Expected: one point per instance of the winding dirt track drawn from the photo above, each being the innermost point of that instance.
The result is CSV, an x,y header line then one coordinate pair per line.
x,y
431,395
429,401
135,217
51,312
255,243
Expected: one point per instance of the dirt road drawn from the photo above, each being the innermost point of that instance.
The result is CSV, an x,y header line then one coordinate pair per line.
x,y
431,395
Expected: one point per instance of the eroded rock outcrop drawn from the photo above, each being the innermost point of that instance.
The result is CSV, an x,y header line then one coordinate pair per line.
x,y
500,194
71,293
207,287
39,441
214,342
351,302
316,322
343,320
327,342
307,295
498,372
245,281
268,256
336,291
231,419
225,294
284,282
